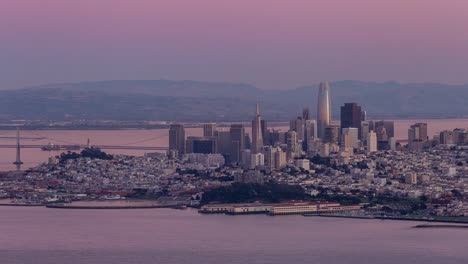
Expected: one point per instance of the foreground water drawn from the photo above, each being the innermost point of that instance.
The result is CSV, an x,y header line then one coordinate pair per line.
x,y
155,137
42,235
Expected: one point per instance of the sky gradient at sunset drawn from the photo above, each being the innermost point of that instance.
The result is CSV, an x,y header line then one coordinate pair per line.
x,y
268,43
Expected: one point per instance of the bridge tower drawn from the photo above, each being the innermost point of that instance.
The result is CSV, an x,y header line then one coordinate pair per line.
x,y
18,148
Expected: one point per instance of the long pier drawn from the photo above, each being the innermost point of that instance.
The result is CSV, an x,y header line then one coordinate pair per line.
x,y
84,146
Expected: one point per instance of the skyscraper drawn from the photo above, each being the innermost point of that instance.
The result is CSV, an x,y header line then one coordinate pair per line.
x,y
237,136
389,127
209,129
257,139
298,126
323,108
371,142
418,132
206,145
351,116
350,137
177,138
332,134
306,113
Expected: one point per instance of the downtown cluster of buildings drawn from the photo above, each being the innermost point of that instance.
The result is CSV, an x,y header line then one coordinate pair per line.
x,y
306,137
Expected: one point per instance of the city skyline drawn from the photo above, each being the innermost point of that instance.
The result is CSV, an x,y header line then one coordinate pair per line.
x,y
233,131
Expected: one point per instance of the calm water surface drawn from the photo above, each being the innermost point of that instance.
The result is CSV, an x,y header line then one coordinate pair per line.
x,y
41,235
155,137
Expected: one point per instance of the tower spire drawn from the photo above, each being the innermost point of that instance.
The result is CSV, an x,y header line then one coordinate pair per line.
x,y
257,110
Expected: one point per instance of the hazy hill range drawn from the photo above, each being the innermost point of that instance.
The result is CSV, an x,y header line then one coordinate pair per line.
x,y
210,101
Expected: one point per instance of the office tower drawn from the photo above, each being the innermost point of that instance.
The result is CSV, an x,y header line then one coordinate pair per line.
x,y
270,157
351,116
364,116
460,136
265,133
418,132
277,137
323,108
332,134
223,142
324,150
306,113
310,132
209,129
447,137
392,143
371,142
280,159
257,139
389,127
371,125
297,125
201,145
417,136
275,158
381,132
350,138
257,159
177,138
291,140
237,133
246,156
247,142
365,129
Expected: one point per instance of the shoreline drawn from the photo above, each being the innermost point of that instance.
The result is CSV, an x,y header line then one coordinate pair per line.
x,y
389,218
461,224
104,207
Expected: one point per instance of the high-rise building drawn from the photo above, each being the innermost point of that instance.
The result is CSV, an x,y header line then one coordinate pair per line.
x,y
177,138
277,137
323,108
209,129
237,136
205,145
332,134
371,142
310,132
418,132
364,116
351,116
417,136
365,129
389,127
257,159
223,142
349,138
257,138
306,113
297,125
291,140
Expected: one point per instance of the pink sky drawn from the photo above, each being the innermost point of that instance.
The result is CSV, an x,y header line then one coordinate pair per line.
x,y
268,43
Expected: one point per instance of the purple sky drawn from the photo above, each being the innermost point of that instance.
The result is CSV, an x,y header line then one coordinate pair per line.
x,y
268,43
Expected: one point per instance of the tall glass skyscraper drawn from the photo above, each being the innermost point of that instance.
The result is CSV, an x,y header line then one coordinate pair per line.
x,y
323,109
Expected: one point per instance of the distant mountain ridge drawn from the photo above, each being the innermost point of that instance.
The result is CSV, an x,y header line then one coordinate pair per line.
x,y
216,101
